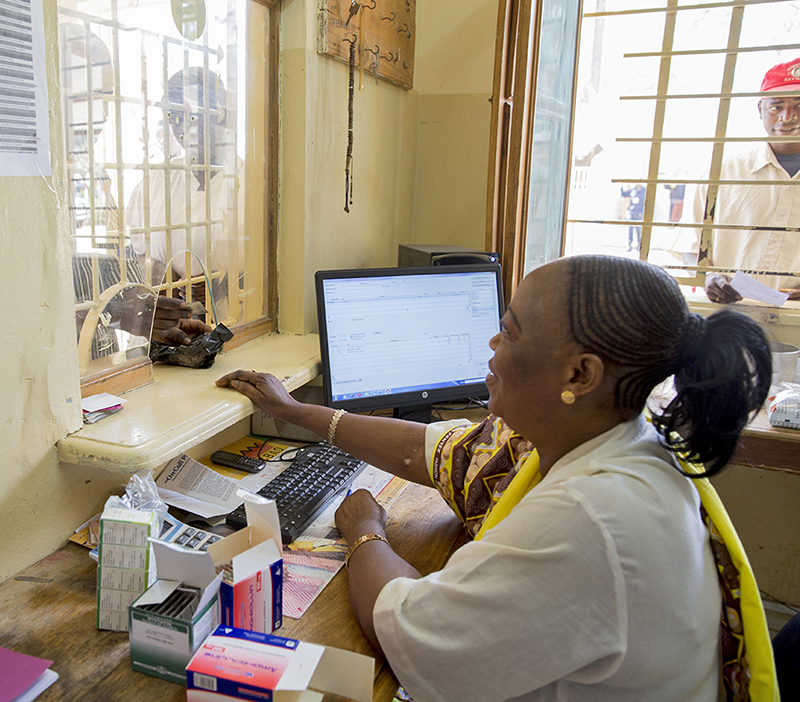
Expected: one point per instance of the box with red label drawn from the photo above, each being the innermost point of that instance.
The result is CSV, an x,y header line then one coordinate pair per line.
x,y
235,664
251,591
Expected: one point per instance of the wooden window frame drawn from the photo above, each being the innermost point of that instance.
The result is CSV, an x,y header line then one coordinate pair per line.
x,y
509,149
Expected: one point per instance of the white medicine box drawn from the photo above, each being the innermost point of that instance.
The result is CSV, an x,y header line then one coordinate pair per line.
x,y
251,594
234,664
174,616
126,565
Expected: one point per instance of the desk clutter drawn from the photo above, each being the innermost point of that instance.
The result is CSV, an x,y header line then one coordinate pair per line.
x,y
238,581
215,596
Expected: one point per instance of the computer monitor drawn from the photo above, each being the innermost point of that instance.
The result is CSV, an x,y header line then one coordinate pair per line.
x,y
407,338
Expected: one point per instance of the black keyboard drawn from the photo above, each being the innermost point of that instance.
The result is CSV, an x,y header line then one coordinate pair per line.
x,y
305,488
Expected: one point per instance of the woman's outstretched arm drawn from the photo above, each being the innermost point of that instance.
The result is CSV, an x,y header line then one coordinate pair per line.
x,y
393,445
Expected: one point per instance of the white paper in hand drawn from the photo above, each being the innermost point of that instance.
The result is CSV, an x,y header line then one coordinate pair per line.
x,y
749,287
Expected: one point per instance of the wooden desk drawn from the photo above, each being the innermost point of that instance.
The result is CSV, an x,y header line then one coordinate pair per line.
x,y
48,610
763,446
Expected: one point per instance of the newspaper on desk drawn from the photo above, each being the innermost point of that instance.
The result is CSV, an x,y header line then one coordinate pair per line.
x,y
193,487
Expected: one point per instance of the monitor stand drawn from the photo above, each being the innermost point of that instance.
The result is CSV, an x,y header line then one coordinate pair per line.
x,y
418,413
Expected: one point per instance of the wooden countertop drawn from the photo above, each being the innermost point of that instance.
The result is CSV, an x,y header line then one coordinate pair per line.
x,y
48,610
763,446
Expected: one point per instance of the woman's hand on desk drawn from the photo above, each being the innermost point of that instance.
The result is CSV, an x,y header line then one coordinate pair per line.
x,y
265,390
371,563
393,445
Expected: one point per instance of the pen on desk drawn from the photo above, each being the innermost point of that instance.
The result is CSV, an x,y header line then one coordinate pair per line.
x,y
349,491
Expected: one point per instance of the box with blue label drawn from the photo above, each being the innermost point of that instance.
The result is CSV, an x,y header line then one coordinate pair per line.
x,y
235,664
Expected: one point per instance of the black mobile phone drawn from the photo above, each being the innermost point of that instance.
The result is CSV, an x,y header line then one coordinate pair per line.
x,y
235,460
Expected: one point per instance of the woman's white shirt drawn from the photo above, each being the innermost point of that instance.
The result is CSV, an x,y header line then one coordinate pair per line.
x,y
599,585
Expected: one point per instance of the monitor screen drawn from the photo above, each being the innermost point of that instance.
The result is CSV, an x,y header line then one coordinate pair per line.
x,y
407,337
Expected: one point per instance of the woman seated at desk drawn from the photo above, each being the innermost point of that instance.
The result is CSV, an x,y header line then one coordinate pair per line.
x,y
591,574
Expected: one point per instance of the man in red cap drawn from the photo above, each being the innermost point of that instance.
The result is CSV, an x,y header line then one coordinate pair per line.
x,y
768,214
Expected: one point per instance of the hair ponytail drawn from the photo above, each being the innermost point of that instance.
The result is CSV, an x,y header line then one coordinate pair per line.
x,y
722,377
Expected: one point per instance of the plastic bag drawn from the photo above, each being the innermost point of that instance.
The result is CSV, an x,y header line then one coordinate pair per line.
x,y
199,354
141,493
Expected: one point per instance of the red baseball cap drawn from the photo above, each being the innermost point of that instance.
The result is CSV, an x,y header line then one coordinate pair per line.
x,y
784,76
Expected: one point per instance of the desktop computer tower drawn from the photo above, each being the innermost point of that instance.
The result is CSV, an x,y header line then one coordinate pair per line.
x,y
441,255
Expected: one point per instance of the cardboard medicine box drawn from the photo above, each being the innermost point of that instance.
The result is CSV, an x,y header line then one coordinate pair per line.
x,y
161,644
126,566
251,597
235,664
163,635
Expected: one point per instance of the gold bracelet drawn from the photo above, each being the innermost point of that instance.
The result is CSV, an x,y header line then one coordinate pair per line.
x,y
337,415
361,540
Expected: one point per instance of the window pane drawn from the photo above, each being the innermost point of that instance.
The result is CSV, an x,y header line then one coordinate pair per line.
x,y
662,104
156,112
551,121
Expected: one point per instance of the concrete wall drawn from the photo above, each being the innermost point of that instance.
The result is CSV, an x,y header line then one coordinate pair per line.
x,y
455,55
41,502
764,507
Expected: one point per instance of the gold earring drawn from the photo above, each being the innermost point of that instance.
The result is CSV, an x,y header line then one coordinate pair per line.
x,y
567,397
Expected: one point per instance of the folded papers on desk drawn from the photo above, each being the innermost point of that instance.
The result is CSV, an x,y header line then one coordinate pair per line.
x,y
209,490
97,407
24,677
189,485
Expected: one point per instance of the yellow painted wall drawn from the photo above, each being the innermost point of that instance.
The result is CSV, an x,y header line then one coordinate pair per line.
x,y
420,156
455,60
42,502
763,505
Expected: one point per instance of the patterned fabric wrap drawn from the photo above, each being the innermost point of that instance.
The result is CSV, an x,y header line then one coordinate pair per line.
x,y
474,464
733,652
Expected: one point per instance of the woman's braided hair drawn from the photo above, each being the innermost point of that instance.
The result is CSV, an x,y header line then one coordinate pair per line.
x,y
633,316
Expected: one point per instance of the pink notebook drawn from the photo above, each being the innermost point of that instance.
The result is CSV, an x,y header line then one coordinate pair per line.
x,y
20,673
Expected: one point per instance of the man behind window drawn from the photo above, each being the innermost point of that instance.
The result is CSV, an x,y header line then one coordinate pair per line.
x,y
132,308
212,191
762,206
